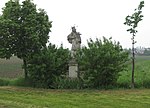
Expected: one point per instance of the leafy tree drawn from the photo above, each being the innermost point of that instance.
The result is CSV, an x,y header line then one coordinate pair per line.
x,y
132,21
50,63
101,62
5,48
24,30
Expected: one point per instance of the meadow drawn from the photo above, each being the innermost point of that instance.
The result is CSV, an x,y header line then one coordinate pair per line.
x,y
19,97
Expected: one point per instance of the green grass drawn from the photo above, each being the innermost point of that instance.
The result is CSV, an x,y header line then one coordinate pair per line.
x,y
14,97
11,68
142,72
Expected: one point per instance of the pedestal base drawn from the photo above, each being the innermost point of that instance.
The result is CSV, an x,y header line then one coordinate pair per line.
x,y
73,70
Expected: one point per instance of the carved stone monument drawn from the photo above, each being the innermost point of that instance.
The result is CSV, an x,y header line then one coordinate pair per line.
x,y
75,39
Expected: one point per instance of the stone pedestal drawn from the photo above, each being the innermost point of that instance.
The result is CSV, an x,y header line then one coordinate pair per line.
x,y
73,69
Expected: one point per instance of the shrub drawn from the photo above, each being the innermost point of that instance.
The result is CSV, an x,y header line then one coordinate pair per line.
x,y
4,82
146,83
20,82
101,62
51,62
67,83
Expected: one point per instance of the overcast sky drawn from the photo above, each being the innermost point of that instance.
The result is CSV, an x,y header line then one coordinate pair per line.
x,y
94,19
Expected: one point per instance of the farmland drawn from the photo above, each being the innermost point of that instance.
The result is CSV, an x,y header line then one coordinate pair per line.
x,y
11,68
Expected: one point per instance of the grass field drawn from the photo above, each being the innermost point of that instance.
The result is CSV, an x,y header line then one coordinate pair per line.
x,y
13,97
142,72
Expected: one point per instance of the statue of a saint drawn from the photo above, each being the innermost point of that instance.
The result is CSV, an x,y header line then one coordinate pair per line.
x,y
75,39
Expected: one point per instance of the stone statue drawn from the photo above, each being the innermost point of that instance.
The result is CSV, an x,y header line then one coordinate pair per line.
x,y
75,39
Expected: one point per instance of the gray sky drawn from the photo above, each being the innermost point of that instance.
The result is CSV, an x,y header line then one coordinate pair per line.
x,y
94,18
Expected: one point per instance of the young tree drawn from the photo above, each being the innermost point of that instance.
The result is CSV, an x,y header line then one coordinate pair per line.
x,y
133,21
24,30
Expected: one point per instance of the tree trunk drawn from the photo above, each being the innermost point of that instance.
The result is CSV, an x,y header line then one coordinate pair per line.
x,y
133,66
25,68
133,63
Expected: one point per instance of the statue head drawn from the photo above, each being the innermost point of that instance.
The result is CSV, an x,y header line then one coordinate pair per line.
x,y
73,29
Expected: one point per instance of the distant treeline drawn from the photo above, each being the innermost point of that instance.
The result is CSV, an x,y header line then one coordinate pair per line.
x,y
140,51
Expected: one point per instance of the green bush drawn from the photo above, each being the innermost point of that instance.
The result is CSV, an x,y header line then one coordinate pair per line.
x,y
51,62
4,82
101,62
67,83
20,82
146,83
15,82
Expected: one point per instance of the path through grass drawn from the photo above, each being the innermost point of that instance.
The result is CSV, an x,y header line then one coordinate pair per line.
x,y
14,97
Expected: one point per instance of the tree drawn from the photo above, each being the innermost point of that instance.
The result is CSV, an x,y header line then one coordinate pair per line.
x,y
132,21
5,48
45,66
101,62
24,30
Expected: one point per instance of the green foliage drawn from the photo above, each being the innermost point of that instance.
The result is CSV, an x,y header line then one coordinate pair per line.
x,y
20,82
15,82
5,48
67,83
24,30
101,62
134,19
49,63
4,82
